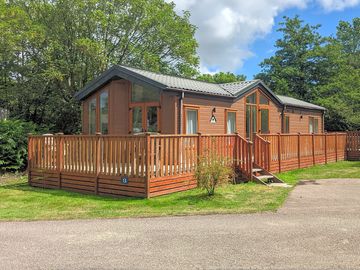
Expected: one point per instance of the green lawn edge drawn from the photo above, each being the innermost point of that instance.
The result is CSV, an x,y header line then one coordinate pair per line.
x,y
20,202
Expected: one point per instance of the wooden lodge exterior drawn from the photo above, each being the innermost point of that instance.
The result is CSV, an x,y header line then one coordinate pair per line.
x,y
126,100
144,132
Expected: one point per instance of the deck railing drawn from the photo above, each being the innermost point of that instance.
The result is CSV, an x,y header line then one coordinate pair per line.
x,y
291,151
146,164
353,145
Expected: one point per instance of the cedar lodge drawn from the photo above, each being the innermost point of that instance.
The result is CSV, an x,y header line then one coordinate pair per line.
x,y
125,100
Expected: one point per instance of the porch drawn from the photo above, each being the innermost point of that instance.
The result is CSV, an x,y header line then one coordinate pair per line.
x,y
152,165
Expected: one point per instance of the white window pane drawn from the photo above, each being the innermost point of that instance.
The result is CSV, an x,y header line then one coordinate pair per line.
x,y
191,122
231,118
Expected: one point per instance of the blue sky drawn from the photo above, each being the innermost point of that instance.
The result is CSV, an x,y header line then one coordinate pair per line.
x,y
236,35
264,47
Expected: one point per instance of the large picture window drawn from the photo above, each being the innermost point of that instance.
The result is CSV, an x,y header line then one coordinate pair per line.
x,y
104,112
92,116
143,94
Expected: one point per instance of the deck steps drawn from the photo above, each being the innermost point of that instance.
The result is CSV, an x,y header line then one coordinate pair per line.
x,y
262,176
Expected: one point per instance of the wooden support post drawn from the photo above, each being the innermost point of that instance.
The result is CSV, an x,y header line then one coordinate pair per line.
x,y
149,156
59,155
336,147
325,145
199,146
279,151
250,157
299,150
313,148
98,161
236,150
30,157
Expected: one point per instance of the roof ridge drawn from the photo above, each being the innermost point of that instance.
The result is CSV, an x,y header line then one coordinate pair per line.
x,y
175,76
237,82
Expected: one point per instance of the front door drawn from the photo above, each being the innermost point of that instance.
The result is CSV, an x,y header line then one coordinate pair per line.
x,y
144,118
257,114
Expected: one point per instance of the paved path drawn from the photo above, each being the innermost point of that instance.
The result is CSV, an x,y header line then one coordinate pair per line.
x,y
318,228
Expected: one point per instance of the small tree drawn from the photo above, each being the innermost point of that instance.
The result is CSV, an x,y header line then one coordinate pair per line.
x,y
212,171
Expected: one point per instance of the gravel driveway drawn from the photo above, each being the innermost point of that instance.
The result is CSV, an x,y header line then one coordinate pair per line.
x,y
318,228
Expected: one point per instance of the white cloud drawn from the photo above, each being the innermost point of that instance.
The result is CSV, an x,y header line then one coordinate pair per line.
x,y
330,5
226,28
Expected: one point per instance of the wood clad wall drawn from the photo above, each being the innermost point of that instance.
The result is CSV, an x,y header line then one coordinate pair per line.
x,y
118,91
119,107
298,124
206,104
169,109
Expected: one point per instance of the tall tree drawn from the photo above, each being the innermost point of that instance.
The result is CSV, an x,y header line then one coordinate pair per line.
x,y
221,77
341,95
72,41
296,68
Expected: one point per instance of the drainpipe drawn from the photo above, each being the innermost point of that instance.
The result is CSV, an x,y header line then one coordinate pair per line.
x,y
181,112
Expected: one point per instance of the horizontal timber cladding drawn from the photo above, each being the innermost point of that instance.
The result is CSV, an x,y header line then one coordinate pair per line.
x,y
293,151
353,145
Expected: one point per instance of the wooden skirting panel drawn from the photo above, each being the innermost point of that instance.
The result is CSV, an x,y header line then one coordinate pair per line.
x,y
353,155
88,183
305,162
170,184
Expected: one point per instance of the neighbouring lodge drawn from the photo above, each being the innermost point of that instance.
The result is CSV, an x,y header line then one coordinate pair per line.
x,y
125,100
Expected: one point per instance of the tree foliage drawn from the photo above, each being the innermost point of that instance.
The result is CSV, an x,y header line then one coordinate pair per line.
x,y
221,77
13,144
51,49
324,70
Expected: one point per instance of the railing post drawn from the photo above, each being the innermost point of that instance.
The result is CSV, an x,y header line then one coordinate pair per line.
x,y
325,137
250,166
148,162
336,147
30,157
313,148
199,146
59,155
279,151
236,150
256,149
299,150
98,160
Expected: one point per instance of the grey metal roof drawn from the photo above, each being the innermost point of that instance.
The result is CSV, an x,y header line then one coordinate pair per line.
x,y
299,103
167,82
174,82
236,88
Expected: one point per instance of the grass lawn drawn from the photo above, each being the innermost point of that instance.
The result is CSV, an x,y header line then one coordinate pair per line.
x,y
18,201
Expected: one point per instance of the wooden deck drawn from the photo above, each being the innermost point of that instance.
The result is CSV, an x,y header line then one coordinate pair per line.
x,y
136,166
153,165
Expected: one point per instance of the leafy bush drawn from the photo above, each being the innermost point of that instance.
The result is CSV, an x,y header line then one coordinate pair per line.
x,y
13,144
212,171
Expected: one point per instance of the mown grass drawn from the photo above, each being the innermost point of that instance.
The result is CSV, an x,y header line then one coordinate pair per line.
x,y
18,201
343,169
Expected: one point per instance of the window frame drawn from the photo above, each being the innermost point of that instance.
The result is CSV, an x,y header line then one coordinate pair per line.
x,y
108,111
313,120
192,108
93,100
226,120
286,130
259,106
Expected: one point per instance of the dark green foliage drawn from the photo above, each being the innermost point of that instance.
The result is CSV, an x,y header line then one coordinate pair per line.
x,y
323,70
13,144
221,77
51,49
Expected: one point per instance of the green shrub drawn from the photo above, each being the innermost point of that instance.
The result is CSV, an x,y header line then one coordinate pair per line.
x,y
212,171
13,144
